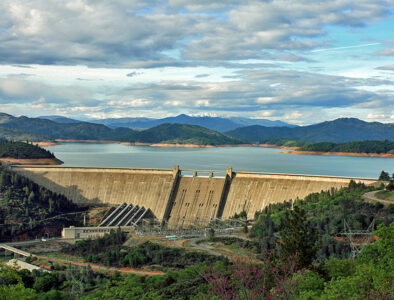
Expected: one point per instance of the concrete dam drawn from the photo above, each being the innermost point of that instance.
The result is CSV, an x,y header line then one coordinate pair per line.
x,y
181,198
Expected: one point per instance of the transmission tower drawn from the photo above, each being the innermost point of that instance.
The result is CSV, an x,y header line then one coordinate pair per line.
x,y
77,284
357,239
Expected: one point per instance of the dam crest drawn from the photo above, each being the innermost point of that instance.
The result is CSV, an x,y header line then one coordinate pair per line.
x,y
181,198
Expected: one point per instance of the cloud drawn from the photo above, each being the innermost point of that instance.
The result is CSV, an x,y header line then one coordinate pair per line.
x,y
133,74
385,52
201,75
159,63
346,47
386,68
127,34
20,89
85,32
199,57
131,103
256,28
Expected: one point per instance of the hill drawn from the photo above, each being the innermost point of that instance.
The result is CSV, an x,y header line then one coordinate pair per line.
x,y
213,123
59,119
337,131
21,135
139,123
165,133
28,210
184,134
23,150
355,147
55,130
262,122
326,211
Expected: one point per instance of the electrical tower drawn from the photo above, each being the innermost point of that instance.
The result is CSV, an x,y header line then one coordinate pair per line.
x,y
357,239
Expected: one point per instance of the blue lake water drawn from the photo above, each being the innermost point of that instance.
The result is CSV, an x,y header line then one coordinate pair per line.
x,y
250,159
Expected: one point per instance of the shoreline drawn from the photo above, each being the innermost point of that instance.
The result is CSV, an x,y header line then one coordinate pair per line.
x,y
354,154
30,161
61,141
291,150
45,144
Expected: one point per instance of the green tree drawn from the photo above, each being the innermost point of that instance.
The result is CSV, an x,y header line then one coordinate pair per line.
x,y
211,234
297,237
381,253
390,186
17,291
384,176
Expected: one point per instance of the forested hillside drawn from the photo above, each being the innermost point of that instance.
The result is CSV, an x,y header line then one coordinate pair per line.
x,y
166,133
326,212
21,135
28,210
185,134
12,149
357,147
54,130
337,131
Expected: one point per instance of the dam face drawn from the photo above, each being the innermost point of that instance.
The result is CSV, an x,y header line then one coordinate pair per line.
x,y
178,199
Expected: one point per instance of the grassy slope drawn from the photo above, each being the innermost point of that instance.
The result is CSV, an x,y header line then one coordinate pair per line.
x,y
385,195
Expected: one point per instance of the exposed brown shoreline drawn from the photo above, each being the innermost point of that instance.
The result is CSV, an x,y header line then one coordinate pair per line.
x,y
30,161
341,153
60,141
44,144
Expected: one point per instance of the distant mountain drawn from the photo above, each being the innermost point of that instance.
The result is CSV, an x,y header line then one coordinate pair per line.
x,y
262,122
213,123
337,131
165,133
54,130
185,134
21,135
4,118
60,119
138,123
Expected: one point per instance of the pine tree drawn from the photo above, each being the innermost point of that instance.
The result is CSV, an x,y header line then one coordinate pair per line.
x,y
298,237
384,176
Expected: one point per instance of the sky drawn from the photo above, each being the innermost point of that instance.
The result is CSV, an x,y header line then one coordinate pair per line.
x,y
298,61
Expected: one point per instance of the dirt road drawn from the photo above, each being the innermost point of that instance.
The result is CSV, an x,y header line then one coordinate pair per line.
x,y
371,196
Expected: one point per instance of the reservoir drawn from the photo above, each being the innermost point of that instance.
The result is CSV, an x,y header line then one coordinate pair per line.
x,y
245,159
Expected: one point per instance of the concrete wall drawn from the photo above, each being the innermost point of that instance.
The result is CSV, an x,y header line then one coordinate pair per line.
x,y
252,191
180,200
196,201
148,188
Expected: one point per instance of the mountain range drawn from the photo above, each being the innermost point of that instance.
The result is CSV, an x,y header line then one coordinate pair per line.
x,y
164,133
213,123
337,131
